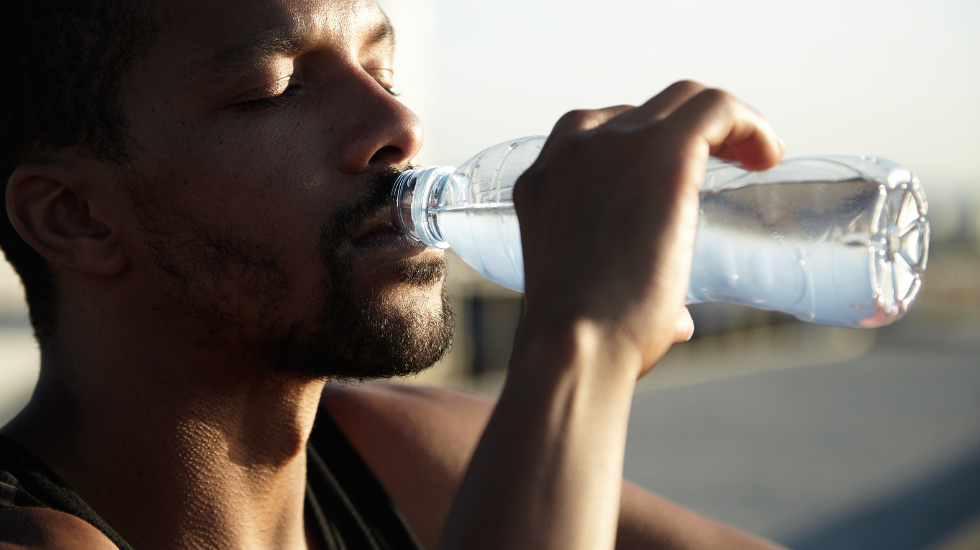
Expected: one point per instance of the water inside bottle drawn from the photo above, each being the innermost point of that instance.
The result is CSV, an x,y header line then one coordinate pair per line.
x,y
487,237
848,252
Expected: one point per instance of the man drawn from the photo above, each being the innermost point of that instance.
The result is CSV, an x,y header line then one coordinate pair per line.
x,y
197,200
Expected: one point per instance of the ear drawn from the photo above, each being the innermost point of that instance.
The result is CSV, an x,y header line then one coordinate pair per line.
x,y
62,206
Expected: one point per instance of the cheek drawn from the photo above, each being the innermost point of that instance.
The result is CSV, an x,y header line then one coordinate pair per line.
x,y
265,157
255,181
263,193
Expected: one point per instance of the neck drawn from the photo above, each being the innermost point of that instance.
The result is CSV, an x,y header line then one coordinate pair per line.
x,y
175,449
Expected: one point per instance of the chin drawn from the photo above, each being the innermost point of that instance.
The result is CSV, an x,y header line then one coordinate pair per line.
x,y
416,285
380,323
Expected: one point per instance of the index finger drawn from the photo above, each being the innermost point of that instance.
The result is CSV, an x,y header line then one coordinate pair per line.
x,y
722,122
581,120
587,119
661,105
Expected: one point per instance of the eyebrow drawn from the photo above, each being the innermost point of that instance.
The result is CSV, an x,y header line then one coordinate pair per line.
x,y
383,31
279,41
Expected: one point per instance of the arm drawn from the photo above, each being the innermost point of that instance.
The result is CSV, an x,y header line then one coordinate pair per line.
x,y
547,471
622,184
46,529
647,521
435,432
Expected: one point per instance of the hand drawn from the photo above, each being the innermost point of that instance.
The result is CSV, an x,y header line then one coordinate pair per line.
x,y
608,213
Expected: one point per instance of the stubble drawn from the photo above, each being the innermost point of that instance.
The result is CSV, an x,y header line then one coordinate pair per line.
x,y
230,285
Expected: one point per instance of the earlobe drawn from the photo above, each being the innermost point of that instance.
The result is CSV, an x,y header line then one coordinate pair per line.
x,y
54,206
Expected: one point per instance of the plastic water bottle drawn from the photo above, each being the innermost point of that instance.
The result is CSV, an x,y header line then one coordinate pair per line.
x,y
835,240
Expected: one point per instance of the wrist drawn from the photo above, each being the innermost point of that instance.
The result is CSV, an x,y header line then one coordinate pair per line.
x,y
551,457
575,349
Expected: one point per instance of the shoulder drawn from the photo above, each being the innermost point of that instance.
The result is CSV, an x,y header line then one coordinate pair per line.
x,y
437,410
437,428
417,440
47,529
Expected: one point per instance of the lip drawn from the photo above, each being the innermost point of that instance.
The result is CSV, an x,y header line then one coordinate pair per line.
x,y
388,238
378,223
378,232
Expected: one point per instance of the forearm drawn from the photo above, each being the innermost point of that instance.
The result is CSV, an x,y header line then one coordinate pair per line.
x,y
648,522
623,185
547,471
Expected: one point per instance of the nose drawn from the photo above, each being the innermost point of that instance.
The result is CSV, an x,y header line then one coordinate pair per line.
x,y
382,130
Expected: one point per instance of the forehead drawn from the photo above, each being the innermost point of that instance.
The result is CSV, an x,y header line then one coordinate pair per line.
x,y
218,34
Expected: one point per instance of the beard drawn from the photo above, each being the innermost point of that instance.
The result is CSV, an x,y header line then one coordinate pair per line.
x,y
356,332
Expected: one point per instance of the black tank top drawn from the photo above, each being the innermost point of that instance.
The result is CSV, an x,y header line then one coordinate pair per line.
x,y
349,507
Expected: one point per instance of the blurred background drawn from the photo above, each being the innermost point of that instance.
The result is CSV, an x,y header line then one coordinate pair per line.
x,y
820,438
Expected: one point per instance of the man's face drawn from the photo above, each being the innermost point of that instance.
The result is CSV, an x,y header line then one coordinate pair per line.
x,y
266,139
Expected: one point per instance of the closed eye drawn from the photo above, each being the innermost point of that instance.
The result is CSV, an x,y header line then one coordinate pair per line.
x,y
268,102
391,91
384,78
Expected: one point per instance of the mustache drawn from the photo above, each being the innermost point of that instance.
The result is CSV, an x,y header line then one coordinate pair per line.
x,y
372,199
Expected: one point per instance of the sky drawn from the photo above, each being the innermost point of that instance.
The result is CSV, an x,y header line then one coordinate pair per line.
x,y
896,78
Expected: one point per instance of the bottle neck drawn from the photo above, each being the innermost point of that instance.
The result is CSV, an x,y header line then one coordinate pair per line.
x,y
413,200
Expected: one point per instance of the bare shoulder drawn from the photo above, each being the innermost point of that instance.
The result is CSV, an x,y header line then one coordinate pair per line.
x,y
417,440
439,425
45,529
422,403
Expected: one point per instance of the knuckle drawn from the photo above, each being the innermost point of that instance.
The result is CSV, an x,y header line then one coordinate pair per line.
x,y
686,86
715,96
579,119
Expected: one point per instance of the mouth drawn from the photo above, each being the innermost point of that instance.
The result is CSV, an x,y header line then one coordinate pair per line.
x,y
377,232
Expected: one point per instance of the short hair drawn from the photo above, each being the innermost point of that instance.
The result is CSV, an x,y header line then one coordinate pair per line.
x,y
63,63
